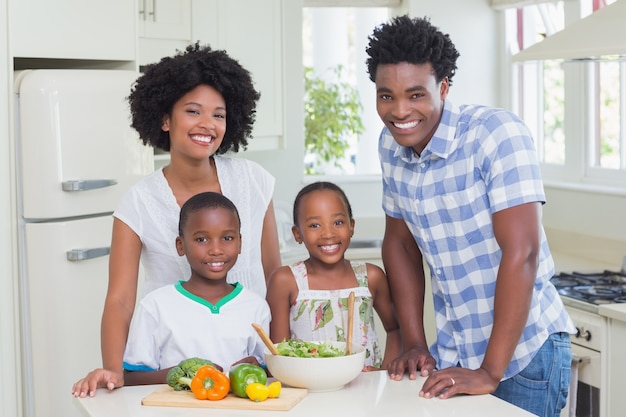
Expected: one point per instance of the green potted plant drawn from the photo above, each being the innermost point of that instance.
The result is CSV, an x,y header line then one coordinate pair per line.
x,y
332,111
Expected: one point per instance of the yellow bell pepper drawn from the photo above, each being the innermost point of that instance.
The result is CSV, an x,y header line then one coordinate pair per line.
x,y
257,392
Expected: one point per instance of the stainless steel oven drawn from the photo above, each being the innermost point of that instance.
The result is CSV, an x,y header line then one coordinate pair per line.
x,y
582,293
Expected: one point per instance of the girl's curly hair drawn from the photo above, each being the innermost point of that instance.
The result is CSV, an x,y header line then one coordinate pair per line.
x,y
415,41
163,83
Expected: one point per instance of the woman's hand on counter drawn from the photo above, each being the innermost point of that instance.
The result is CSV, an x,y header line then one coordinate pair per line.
x,y
98,378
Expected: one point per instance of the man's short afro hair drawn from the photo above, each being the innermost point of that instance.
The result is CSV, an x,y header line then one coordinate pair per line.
x,y
412,40
163,83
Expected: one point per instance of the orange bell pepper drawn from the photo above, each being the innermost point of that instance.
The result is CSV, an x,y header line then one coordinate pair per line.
x,y
209,384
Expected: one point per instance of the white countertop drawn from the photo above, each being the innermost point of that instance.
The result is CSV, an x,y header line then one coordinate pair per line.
x,y
371,394
613,311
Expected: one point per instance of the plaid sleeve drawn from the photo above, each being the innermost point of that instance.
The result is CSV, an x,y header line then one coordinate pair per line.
x,y
509,163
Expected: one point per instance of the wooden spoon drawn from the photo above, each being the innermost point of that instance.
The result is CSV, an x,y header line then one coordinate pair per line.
x,y
265,338
350,323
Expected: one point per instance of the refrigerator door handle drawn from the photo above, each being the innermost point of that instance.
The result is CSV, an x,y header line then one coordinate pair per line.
x,y
84,254
84,185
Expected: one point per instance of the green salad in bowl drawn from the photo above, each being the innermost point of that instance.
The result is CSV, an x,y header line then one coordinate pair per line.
x,y
301,349
317,366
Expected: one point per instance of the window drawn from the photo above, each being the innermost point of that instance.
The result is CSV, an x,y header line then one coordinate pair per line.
x,y
574,108
608,150
336,37
540,85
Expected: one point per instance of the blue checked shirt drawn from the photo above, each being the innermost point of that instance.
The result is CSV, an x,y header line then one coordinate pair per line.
x,y
479,161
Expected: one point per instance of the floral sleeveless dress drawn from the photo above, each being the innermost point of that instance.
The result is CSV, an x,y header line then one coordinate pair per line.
x,y
321,315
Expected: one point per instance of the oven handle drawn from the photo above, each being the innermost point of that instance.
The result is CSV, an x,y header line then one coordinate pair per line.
x,y
579,360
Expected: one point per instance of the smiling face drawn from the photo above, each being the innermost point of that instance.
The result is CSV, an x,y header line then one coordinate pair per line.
x,y
409,101
324,225
211,241
197,123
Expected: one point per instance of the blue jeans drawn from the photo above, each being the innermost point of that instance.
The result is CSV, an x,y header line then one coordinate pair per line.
x,y
549,370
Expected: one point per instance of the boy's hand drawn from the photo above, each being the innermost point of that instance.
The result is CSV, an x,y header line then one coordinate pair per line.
x,y
98,378
250,359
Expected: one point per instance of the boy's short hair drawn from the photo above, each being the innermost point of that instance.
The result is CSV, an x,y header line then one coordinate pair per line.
x,y
412,40
207,200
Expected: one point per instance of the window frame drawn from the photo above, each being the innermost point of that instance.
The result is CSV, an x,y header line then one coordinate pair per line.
x,y
581,124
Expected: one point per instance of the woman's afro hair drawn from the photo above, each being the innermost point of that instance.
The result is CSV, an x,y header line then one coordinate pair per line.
x,y
163,83
415,41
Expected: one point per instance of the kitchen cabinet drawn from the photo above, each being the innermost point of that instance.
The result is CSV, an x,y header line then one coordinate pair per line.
x,y
616,367
67,29
164,19
163,26
615,358
259,49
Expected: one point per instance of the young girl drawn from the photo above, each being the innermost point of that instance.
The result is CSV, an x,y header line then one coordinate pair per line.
x,y
197,105
308,300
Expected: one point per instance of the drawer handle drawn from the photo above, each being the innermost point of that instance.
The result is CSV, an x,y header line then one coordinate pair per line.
x,y
579,360
583,333
85,185
84,254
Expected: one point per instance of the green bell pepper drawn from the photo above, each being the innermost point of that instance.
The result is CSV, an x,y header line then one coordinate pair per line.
x,y
243,374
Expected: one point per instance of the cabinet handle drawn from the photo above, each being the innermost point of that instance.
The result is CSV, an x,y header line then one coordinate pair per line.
x,y
84,185
142,9
152,11
580,359
84,254
583,333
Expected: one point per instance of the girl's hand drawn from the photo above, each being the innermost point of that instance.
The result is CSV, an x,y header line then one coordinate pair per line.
x,y
411,361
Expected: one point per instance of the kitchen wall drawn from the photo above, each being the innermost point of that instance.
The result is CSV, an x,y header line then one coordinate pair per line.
x,y
586,223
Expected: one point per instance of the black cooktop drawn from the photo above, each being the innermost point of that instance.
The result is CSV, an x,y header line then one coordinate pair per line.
x,y
605,287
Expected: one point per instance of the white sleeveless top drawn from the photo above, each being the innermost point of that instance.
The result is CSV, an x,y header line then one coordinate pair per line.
x,y
322,315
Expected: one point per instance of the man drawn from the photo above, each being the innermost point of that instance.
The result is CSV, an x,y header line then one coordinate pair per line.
x,y
462,190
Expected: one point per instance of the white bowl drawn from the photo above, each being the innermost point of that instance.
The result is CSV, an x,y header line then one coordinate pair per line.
x,y
317,374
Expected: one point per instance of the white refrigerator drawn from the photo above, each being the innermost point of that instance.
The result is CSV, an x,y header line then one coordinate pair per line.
x,y
76,156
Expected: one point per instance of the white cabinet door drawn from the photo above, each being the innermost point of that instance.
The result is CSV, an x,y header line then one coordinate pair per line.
x,y
70,29
78,153
164,26
615,365
251,32
165,19
62,310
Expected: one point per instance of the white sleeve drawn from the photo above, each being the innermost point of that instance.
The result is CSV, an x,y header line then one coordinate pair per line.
x,y
127,210
142,353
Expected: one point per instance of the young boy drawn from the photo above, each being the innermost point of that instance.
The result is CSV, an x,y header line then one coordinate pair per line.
x,y
463,191
204,316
